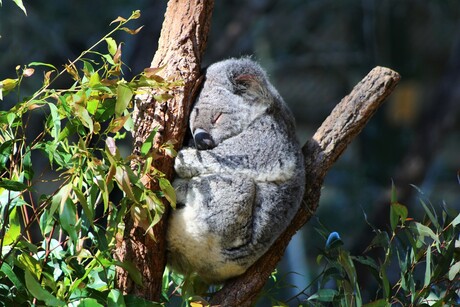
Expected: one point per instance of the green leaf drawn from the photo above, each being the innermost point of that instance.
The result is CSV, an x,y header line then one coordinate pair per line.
x,y
39,292
94,79
115,298
83,114
124,95
431,214
42,64
6,148
27,164
394,197
424,231
428,267
163,97
8,271
133,300
324,295
68,219
133,272
88,302
456,220
101,189
14,229
111,45
7,85
122,179
55,122
92,106
366,260
347,264
454,270
88,210
96,282
28,263
385,282
398,213
12,185
168,191
60,198
378,303
148,143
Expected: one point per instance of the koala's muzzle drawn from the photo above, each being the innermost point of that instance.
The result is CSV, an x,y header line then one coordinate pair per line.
x,y
203,140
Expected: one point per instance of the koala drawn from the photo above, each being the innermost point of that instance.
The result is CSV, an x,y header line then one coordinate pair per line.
x,y
241,184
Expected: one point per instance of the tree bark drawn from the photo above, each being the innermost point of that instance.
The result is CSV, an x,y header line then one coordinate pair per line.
x,y
180,49
345,122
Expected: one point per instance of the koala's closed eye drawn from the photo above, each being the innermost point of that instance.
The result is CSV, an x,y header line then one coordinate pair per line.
x,y
216,118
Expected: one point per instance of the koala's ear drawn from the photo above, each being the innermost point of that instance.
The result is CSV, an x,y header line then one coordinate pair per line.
x,y
253,88
244,83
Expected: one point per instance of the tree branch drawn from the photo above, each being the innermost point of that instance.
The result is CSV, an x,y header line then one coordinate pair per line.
x,y
180,49
346,121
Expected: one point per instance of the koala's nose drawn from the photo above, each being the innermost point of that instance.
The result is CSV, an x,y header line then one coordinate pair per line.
x,y
203,139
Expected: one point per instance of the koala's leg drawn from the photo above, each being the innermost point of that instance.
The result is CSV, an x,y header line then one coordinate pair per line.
x,y
229,205
207,233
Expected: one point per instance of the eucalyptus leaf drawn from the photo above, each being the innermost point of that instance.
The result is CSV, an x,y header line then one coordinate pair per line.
x,y
124,95
425,231
454,271
427,278
12,185
115,298
168,191
8,271
14,229
39,292
111,45
133,272
68,219
324,295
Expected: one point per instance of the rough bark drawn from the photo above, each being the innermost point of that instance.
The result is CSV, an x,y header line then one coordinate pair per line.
x,y
180,49
346,120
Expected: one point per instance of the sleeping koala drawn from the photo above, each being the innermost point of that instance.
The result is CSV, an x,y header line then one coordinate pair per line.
x,y
242,184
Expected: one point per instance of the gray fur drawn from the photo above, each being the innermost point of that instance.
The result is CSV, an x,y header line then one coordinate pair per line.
x,y
242,184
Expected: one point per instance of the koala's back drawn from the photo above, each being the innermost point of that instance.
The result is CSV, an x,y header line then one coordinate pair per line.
x,y
241,192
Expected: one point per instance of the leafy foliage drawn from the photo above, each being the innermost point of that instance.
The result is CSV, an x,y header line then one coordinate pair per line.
x,y
56,248
419,263
19,4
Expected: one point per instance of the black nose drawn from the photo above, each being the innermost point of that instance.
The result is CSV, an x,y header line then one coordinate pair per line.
x,y
203,139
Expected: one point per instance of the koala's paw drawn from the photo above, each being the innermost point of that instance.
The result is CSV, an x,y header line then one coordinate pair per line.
x,y
185,164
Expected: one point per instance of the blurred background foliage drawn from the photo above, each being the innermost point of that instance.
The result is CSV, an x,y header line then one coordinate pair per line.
x,y
315,51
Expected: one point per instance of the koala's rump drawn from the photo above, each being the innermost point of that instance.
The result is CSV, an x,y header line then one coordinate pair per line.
x,y
217,216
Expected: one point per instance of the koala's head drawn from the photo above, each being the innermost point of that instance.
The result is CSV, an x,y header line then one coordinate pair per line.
x,y
235,92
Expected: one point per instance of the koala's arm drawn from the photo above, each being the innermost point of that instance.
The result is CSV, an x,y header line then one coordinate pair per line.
x,y
264,155
191,162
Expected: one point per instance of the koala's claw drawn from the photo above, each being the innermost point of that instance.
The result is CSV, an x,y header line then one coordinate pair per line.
x,y
184,165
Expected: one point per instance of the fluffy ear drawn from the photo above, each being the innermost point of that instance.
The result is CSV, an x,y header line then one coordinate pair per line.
x,y
244,82
252,87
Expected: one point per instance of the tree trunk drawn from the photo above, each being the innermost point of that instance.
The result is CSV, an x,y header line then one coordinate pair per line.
x,y
180,49
345,122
